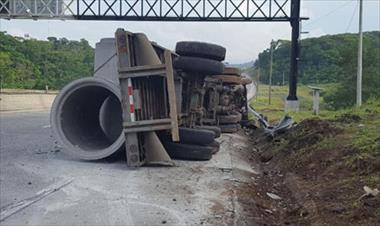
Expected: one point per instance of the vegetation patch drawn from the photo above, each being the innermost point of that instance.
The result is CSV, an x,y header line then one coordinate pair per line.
x,y
34,64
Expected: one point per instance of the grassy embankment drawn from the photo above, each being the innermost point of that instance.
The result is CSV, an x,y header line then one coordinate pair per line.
x,y
337,152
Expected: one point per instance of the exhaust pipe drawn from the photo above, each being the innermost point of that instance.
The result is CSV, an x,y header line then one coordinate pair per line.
x,y
86,117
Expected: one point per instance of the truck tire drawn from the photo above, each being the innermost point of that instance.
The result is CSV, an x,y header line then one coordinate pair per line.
x,y
196,136
233,118
198,65
216,146
229,128
215,129
230,79
201,49
188,151
232,71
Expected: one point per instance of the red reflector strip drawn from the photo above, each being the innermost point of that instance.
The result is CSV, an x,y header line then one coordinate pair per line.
x,y
130,90
131,104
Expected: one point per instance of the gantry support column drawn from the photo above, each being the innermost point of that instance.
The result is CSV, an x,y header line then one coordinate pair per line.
x,y
292,103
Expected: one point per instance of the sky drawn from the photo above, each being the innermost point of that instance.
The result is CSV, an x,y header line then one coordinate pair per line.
x,y
243,40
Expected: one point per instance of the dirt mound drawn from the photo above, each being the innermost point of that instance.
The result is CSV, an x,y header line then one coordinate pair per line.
x,y
310,168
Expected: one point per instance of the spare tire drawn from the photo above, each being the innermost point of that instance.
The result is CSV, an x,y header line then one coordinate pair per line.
x,y
216,146
232,71
230,79
188,151
196,136
215,129
229,128
198,65
201,49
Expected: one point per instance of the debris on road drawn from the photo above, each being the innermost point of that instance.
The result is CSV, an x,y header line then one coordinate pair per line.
x,y
284,124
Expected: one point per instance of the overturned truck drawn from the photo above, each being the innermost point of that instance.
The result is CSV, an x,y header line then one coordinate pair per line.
x,y
152,103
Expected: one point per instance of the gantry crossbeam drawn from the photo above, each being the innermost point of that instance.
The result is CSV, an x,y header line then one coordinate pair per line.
x,y
149,10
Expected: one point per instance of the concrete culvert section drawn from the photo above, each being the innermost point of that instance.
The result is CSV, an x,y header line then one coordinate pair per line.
x,y
86,118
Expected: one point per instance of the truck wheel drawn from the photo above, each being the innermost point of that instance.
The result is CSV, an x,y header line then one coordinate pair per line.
x,y
198,65
233,118
216,146
232,71
196,136
215,129
229,128
188,151
201,49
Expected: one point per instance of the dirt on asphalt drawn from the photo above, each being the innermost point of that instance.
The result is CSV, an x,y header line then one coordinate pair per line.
x,y
306,178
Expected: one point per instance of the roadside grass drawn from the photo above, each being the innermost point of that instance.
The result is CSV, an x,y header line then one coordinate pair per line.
x,y
276,109
364,136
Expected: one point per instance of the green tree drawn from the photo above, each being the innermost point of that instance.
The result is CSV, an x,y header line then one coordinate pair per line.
x,y
32,64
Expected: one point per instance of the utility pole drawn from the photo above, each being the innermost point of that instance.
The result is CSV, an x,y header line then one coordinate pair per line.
x,y
258,80
360,58
270,72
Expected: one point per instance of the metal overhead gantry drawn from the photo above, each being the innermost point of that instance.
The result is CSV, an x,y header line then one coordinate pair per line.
x,y
167,10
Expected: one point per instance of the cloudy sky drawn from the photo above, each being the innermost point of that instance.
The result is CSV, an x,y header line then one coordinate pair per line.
x,y
243,40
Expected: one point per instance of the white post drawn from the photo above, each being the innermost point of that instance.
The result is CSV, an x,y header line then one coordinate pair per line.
x,y
316,101
258,81
360,58
270,72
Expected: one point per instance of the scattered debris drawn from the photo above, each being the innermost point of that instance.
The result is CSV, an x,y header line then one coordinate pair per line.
x,y
268,211
273,196
284,124
266,156
369,192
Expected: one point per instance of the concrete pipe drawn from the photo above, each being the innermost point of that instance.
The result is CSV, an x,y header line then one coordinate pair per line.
x,y
86,117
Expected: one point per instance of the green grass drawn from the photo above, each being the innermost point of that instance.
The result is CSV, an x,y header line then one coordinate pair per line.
x,y
275,110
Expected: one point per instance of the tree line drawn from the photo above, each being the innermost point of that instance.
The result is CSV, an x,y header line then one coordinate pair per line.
x,y
327,59
34,64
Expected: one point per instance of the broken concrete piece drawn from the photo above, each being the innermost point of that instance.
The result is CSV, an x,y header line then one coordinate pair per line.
x,y
273,196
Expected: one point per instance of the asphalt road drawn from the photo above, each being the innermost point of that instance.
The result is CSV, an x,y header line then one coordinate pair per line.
x,y
107,192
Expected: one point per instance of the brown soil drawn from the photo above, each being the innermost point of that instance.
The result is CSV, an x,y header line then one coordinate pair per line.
x,y
306,168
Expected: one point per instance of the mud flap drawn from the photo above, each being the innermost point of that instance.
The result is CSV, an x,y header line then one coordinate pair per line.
x,y
155,153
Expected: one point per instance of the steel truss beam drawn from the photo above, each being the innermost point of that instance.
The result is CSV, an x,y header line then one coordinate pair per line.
x,y
149,10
